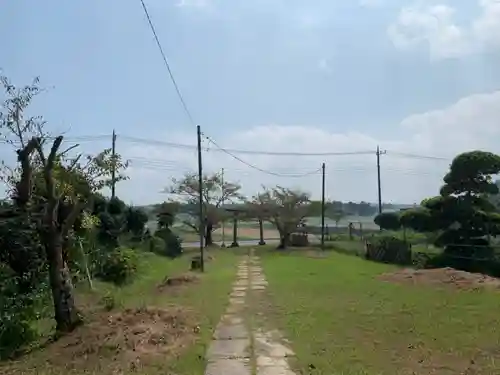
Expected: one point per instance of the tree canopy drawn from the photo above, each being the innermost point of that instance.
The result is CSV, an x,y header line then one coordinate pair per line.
x,y
215,192
462,215
283,207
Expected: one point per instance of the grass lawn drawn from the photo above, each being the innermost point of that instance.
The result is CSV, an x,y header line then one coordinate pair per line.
x,y
341,319
191,310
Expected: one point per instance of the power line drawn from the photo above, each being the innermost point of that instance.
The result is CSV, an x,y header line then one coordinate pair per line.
x,y
248,152
416,156
172,165
255,167
172,78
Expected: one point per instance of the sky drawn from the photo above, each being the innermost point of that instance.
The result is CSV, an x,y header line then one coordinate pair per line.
x,y
414,77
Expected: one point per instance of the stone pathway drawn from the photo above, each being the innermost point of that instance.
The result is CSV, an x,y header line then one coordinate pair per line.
x,y
237,348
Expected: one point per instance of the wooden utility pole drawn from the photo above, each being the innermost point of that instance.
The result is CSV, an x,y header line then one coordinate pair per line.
x,y
379,179
223,220
113,166
200,202
323,206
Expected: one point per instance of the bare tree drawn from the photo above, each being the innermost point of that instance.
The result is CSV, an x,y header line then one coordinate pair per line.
x,y
215,192
285,208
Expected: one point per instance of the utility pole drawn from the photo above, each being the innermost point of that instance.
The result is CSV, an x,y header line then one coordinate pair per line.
x,y
223,221
113,165
200,192
378,180
323,206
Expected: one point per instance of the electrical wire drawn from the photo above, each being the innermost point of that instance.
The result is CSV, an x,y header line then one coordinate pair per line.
x,y
248,152
416,156
257,168
165,60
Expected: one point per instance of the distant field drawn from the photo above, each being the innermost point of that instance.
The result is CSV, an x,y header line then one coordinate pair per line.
x,y
365,221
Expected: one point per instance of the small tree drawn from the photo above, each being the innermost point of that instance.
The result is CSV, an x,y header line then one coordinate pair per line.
x,y
50,188
136,221
215,192
284,208
334,212
388,220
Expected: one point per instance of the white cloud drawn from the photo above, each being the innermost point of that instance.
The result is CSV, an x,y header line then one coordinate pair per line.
x,y
470,123
435,26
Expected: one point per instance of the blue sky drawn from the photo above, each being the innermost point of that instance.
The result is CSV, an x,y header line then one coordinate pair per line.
x,y
303,76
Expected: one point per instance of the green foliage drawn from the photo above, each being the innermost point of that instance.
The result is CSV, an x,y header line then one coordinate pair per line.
x,y
136,220
119,266
165,214
388,249
388,220
172,243
463,216
17,314
156,245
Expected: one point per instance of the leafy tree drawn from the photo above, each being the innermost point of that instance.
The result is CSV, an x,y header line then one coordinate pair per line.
x,y
388,220
136,220
285,208
215,192
462,215
334,211
165,214
50,188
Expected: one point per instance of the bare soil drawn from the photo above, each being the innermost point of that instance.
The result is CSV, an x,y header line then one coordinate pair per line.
x,y
178,280
443,276
124,341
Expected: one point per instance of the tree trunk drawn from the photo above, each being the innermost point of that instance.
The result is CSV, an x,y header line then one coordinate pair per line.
x,y
284,241
66,313
208,234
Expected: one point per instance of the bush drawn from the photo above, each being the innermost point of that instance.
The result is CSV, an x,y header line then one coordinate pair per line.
x,y
118,266
156,245
388,249
488,266
172,243
17,314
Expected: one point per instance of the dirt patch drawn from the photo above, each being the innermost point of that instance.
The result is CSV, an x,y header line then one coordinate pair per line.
x,y
443,276
125,340
183,279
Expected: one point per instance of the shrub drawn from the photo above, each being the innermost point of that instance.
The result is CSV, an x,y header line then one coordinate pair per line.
x,y
388,249
17,314
118,266
156,245
172,243
388,220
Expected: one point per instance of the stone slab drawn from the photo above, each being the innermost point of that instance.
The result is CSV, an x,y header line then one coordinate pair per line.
x,y
235,309
266,346
258,282
230,332
238,293
231,319
236,301
258,287
229,366
274,370
240,287
265,361
237,348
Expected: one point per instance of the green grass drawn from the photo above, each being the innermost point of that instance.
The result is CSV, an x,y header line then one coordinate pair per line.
x,y
342,320
205,300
